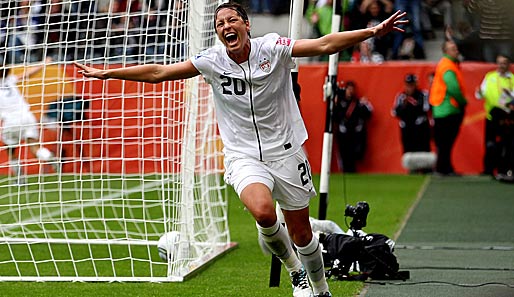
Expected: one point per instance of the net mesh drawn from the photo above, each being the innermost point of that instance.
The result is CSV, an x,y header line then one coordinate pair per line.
x,y
129,161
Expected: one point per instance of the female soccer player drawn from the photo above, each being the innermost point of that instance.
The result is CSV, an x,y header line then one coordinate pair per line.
x,y
18,122
261,127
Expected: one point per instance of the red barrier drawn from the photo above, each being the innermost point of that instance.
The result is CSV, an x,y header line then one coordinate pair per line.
x,y
380,83
119,118
129,128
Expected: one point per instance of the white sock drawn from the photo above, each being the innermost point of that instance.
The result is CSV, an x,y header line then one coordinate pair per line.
x,y
15,166
278,242
312,260
44,154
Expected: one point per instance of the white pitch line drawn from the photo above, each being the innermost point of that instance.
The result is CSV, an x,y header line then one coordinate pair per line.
x,y
83,205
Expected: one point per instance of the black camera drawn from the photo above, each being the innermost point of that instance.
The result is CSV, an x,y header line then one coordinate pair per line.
x,y
359,213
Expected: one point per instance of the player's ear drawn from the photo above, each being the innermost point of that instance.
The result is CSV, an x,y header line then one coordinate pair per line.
x,y
248,27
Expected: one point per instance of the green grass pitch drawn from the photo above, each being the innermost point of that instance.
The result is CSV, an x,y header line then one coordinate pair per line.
x,y
245,270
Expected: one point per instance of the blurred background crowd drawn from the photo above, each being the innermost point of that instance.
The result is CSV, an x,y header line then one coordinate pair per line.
x,y
480,28
91,29
99,29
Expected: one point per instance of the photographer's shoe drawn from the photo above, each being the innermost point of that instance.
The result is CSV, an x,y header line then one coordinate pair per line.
x,y
300,283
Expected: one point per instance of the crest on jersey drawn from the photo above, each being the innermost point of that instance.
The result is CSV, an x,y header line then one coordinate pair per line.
x,y
265,65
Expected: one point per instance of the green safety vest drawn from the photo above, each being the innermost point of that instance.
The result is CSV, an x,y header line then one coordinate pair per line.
x,y
494,85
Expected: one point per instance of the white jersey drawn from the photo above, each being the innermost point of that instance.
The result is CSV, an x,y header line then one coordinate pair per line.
x,y
256,109
12,103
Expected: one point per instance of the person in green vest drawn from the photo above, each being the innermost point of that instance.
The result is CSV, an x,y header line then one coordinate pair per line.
x,y
448,106
495,89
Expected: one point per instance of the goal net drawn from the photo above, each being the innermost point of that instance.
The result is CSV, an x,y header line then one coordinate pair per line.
x,y
93,173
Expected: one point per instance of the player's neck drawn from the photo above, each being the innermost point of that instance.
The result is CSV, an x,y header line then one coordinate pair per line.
x,y
241,56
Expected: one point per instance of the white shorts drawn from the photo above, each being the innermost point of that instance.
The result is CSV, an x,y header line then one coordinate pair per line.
x,y
289,179
18,127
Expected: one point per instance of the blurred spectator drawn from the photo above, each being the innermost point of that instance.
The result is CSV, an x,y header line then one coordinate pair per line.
x,y
30,18
448,106
351,114
413,8
411,107
364,11
14,48
496,89
363,53
130,6
319,15
469,43
375,49
462,11
55,28
260,6
124,32
72,21
279,7
504,119
432,10
496,24
19,30
178,28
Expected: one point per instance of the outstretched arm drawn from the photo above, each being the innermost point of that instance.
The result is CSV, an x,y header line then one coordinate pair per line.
x,y
335,42
33,70
152,73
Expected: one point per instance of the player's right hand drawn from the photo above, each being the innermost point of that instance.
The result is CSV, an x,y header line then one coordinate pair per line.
x,y
90,71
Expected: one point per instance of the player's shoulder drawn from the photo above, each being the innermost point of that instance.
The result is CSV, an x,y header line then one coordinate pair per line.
x,y
401,95
209,54
491,73
10,80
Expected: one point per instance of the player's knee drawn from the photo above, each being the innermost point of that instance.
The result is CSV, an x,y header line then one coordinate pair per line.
x,y
264,217
44,154
301,237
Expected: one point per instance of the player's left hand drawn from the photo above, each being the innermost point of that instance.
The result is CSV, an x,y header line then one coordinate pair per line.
x,y
391,24
90,71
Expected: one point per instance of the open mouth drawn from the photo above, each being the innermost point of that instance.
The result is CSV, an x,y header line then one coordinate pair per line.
x,y
231,38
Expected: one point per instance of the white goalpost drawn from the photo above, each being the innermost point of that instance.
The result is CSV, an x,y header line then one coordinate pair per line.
x,y
129,163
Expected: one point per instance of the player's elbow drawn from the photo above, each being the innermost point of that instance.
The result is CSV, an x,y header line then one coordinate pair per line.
x,y
331,49
329,46
157,76
155,80
328,49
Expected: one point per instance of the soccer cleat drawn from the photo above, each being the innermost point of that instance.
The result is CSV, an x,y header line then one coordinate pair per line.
x,y
324,294
300,283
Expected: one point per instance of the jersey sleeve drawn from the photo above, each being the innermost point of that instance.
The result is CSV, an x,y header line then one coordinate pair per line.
x,y
203,62
282,47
